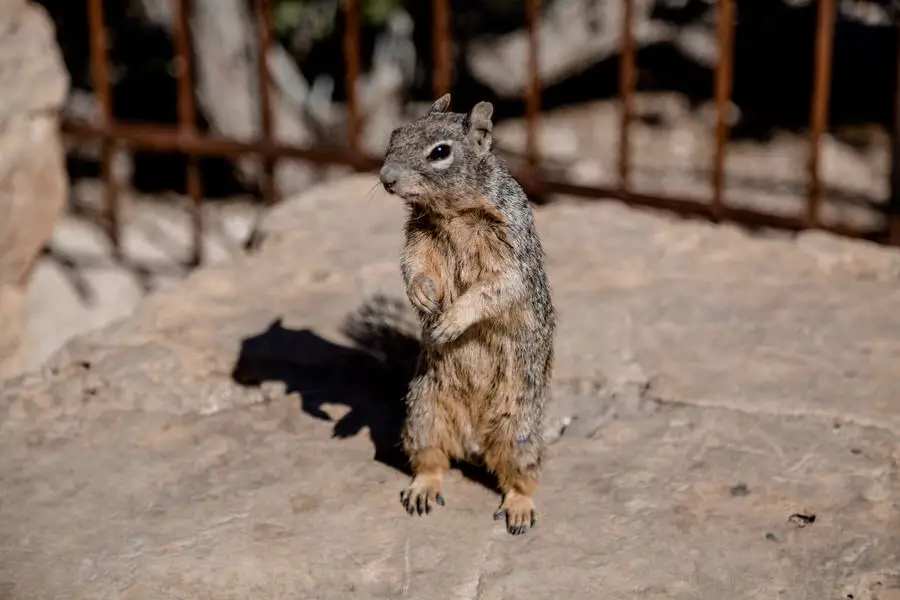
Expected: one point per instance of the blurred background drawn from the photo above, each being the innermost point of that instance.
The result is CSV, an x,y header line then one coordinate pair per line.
x,y
62,273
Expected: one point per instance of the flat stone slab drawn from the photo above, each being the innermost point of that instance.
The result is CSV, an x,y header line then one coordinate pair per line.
x,y
726,425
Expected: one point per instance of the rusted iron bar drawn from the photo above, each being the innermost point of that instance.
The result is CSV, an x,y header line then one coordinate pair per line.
x,y
264,29
351,62
893,215
187,120
100,76
168,139
699,208
442,47
820,98
533,94
724,78
626,92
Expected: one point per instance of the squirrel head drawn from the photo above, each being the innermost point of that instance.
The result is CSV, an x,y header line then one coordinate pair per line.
x,y
440,157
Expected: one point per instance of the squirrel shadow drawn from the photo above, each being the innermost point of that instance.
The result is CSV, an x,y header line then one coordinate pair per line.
x,y
370,377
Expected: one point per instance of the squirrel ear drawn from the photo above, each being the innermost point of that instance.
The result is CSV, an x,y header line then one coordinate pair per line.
x,y
440,105
480,126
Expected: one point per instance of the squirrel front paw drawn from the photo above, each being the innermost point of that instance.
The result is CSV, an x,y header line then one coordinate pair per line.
x,y
448,327
423,295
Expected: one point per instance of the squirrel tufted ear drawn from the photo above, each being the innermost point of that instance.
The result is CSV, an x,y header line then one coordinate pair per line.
x,y
480,126
440,105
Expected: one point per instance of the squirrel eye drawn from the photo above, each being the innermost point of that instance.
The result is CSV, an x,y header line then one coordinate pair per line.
x,y
440,152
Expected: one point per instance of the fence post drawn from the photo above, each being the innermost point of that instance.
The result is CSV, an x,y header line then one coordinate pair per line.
x,y
100,77
441,47
351,63
187,120
533,86
819,111
264,30
626,94
724,77
893,212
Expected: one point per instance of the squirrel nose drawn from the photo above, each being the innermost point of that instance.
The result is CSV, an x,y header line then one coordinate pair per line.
x,y
388,177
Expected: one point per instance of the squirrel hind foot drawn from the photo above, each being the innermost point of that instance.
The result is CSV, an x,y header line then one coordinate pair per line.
x,y
423,493
519,512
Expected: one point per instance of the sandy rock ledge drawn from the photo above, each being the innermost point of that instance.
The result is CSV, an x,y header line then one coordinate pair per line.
x,y
730,401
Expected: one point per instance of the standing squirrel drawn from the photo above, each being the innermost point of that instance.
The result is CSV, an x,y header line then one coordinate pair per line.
x,y
473,266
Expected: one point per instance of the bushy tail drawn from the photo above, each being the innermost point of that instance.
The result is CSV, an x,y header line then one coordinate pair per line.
x,y
387,329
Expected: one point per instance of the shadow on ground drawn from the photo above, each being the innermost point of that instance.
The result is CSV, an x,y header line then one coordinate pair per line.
x,y
370,377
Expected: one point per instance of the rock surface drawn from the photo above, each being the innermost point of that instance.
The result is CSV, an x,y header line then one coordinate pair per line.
x,y
32,167
729,402
12,330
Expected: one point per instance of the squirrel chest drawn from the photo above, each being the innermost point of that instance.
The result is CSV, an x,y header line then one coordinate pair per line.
x,y
463,250
469,248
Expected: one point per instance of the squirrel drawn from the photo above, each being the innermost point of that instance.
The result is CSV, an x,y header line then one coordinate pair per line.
x,y
473,266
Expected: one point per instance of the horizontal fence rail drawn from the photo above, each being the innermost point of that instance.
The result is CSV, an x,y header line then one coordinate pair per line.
x,y
186,139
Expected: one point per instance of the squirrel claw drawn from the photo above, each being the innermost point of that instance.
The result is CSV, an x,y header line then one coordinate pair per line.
x,y
444,331
431,308
422,295
520,517
420,501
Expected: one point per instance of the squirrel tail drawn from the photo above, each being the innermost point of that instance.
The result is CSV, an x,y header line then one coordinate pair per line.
x,y
386,329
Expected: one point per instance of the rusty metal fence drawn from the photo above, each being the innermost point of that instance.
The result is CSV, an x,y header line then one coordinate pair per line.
x,y
185,138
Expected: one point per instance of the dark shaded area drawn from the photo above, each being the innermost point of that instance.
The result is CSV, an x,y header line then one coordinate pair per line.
x,y
324,372
774,48
370,377
774,57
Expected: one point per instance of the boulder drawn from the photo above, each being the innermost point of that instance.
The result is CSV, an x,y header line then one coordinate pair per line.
x,y
33,179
